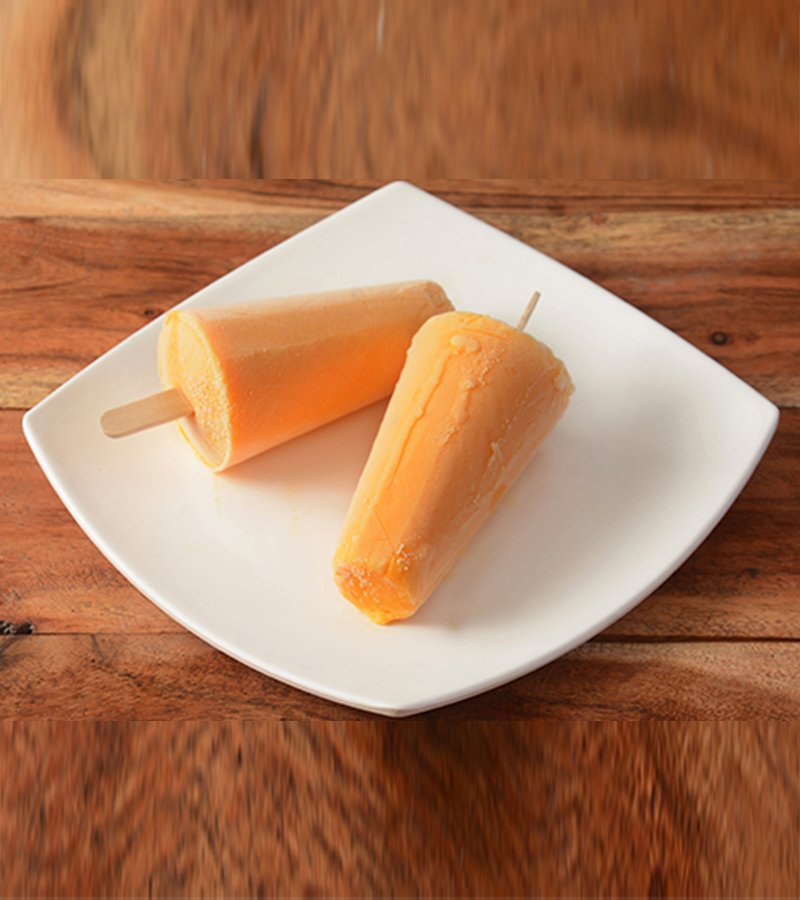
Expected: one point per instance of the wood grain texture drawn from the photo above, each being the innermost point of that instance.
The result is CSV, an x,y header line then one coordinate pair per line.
x,y
419,809
368,88
84,264
178,676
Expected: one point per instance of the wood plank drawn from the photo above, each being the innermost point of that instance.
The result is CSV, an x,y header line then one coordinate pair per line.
x,y
147,676
142,200
668,88
726,281
177,676
743,581
236,199
717,680
360,809
244,201
585,195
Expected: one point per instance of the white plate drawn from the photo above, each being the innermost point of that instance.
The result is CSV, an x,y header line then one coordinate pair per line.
x,y
658,441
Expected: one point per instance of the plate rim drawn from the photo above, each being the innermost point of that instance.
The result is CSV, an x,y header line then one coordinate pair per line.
x,y
771,416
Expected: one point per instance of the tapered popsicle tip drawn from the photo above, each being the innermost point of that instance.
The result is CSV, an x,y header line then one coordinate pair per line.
x,y
523,320
157,409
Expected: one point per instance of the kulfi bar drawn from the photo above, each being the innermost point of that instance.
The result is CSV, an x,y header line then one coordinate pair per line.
x,y
256,374
474,402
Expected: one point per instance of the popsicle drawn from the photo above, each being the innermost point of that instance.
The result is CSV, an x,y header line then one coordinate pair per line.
x,y
475,400
248,376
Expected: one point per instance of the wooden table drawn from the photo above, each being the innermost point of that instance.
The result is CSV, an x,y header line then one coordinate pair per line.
x,y
376,89
408,809
84,264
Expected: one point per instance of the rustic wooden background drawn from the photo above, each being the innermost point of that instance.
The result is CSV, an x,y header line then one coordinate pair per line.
x,y
399,88
161,88
400,809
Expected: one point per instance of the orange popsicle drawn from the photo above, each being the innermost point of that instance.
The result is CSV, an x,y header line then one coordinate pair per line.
x,y
475,400
259,373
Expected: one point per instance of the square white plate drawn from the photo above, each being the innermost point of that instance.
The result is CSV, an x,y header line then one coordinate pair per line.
x,y
658,441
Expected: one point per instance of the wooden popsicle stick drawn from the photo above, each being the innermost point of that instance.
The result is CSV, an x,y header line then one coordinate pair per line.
x,y
523,320
166,406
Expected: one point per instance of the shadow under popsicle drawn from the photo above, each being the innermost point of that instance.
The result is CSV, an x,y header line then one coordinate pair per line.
x,y
578,502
